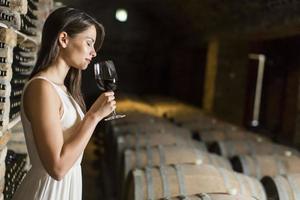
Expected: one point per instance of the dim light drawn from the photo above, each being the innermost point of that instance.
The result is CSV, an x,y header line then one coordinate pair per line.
x,y
121,15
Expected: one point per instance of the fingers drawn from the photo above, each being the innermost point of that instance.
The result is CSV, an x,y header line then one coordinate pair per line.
x,y
110,93
107,96
113,105
111,98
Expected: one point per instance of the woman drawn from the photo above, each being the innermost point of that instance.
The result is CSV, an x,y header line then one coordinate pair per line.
x,y
52,112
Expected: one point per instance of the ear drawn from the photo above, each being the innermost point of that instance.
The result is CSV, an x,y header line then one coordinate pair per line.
x,y
63,39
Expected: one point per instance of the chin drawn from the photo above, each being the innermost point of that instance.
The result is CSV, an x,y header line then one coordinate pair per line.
x,y
83,67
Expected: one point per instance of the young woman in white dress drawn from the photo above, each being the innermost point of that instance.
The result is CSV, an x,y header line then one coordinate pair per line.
x,y
57,127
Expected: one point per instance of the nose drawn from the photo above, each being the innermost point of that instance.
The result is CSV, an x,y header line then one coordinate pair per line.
x,y
93,53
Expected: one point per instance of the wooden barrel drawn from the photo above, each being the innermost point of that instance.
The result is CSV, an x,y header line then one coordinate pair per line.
x,y
207,123
139,129
216,196
137,141
221,135
147,128
168,155
137,136
286,187
117,127
231,148
266,165
127,135
182,180
152,139
150,133
144,137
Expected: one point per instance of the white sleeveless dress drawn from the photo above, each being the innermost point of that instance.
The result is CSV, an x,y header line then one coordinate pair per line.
x,y
38,185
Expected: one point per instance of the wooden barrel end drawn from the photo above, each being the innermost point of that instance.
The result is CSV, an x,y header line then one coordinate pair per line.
x,y
236,164
270,188
196,135
215,148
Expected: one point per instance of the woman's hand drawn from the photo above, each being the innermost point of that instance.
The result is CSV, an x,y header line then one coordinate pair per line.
x,y
103,106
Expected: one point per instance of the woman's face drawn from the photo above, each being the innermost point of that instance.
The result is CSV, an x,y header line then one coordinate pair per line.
x,y
79,50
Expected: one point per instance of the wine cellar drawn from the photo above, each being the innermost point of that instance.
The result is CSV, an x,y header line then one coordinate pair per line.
x,y
210,91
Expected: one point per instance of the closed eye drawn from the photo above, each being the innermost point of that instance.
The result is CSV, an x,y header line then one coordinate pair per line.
x,y
90,41
89,44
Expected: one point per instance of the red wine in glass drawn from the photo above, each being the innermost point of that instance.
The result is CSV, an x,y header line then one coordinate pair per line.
x,y
110,84
100,84
106,79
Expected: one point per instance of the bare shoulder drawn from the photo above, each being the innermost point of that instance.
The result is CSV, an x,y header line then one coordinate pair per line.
x,y
38,85
39,96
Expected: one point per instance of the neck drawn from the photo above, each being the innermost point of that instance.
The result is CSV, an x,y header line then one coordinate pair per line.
x,y
57,71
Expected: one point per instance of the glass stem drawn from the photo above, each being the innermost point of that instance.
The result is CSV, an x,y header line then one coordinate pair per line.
x,y
114,113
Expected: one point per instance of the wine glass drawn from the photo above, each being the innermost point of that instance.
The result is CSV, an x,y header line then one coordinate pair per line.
x,y
106,79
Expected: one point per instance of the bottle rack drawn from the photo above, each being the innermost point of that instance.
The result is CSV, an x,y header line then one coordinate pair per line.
x,y
20,34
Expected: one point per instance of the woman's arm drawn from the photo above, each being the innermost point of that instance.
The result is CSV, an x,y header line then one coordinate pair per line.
x,y
42,105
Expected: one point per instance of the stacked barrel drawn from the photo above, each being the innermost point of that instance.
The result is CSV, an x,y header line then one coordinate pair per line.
x,y
277,166
165,149
153,158
20,33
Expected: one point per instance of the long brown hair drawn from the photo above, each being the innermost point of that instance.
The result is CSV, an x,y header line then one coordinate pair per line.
x,y
72,21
